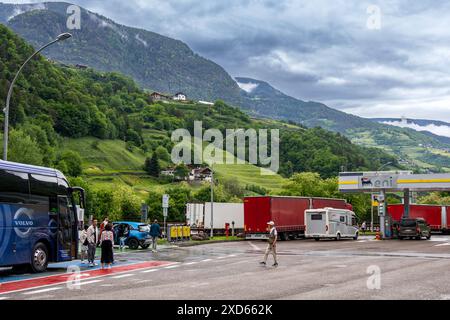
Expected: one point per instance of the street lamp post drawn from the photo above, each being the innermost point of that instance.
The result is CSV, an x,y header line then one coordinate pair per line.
x,y
61,37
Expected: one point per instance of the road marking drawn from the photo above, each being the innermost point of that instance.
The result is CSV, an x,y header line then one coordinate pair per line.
x,y
206,260
123,276
190,263
232,255
439,239
41,297
4,298
172,267
445,297
223,257
442,244
88,282
254,246
148,271
58,279
42,290
200,285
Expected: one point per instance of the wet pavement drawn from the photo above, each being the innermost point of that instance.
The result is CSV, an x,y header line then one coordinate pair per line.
x,y
408,269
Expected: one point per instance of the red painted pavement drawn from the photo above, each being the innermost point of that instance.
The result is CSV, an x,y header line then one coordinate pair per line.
x,y
62,278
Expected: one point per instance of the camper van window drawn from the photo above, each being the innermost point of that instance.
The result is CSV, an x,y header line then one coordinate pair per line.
x,y
316,217
342,219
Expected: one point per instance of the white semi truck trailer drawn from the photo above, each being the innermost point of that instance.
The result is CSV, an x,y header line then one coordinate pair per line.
x,y
198,215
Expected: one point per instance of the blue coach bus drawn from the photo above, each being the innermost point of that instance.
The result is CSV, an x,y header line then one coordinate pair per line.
x,y
38,216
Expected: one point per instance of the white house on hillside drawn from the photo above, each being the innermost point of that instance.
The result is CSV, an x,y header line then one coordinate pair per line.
x,y
180,96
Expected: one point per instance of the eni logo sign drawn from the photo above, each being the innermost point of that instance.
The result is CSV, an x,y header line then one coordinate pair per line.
x,y
378,182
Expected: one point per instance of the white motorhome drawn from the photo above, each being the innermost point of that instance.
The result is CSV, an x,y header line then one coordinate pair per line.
x,y
330,223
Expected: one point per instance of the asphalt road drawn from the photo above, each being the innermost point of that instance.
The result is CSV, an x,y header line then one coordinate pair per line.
x,y
407,269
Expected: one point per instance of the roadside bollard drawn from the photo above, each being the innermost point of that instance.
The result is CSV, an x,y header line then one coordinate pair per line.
x,y
378,236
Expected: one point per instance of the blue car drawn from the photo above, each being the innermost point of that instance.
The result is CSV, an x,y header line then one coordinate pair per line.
x,y
135,233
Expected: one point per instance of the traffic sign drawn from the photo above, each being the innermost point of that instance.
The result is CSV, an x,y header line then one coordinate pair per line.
x,y
144,212
381,209
165,201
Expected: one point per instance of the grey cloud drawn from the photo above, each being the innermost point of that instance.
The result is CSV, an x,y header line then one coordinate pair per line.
x,y
315,50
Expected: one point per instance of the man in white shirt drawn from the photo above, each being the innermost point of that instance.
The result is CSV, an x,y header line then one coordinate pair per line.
x,y
92,237
272,246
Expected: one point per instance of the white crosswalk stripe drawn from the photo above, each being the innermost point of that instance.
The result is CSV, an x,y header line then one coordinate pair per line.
x,y
123,276
148,271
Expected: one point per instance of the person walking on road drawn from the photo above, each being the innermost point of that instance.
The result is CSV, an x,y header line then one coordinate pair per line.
x,y
155,232
84,243
106,243
363,227
92,237
272,246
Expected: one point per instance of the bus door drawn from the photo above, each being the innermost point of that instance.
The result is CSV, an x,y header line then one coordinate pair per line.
x,y
65,239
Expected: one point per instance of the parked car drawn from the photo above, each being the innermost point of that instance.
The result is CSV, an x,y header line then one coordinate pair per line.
x,y
414,228
136,234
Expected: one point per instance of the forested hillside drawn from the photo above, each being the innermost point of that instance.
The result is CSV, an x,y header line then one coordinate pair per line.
x,y
56,108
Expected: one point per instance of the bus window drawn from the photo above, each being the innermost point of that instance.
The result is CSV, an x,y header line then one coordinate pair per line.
x,y
14,187
42,187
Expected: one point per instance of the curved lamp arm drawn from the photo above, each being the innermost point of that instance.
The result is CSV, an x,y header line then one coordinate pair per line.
x,y
61,37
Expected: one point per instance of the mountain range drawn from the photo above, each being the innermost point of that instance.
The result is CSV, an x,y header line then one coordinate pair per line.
x,y
163,64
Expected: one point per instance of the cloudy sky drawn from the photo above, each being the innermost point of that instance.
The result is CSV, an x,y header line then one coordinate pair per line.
x,y
371,58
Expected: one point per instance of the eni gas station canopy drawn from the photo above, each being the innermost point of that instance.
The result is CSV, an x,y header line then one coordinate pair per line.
x,y
392,181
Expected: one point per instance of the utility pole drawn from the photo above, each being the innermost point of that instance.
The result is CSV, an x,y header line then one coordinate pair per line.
x,y
212,202
371,212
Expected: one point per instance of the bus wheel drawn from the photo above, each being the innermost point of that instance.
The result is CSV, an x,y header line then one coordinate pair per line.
x,y
133,244
39,258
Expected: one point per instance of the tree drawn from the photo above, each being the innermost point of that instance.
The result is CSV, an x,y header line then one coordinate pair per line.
x,y
162,153
72,160
130,204
24,149
181,171
133,136
152,166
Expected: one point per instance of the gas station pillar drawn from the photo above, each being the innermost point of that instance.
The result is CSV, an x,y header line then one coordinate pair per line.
x,y
406,203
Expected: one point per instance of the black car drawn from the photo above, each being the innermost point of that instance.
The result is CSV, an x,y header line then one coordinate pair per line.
x,y
414,228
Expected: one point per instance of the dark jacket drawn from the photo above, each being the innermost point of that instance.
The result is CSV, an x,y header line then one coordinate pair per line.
x,y
155,230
